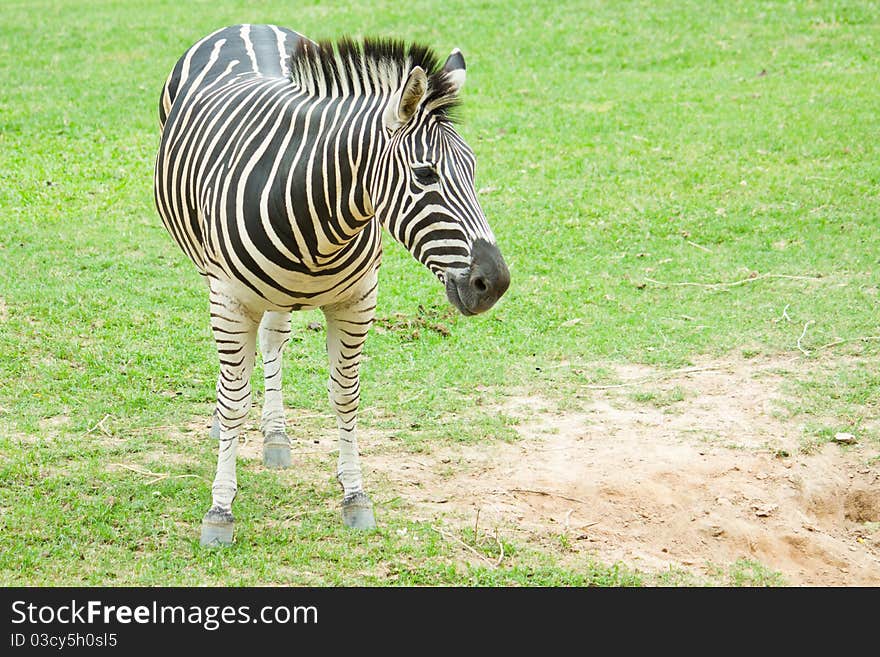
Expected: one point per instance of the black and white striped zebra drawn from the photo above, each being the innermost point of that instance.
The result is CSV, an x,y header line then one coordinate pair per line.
x,y
280,161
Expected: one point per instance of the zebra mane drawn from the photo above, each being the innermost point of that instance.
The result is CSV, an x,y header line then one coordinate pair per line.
x,y
373,66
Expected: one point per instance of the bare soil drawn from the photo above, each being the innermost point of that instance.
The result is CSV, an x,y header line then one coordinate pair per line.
x,y
690,471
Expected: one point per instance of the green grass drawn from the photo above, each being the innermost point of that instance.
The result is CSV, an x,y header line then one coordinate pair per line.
x,y
623,148
747,572
659,398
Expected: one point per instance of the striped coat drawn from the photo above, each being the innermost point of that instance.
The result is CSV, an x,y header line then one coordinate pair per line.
x,y
280,162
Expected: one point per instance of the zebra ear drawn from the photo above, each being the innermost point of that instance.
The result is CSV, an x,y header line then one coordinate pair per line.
x,y
455,70
405,101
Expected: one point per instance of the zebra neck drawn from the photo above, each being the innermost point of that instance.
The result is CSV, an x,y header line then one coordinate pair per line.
x,y
345,151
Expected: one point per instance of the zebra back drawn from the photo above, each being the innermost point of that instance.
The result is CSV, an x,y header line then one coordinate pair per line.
x,y
261,49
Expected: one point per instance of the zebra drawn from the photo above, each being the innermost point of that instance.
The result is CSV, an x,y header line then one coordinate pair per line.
x,y
280,161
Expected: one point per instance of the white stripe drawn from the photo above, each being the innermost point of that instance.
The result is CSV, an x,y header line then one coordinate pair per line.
x,y
281,39
249,46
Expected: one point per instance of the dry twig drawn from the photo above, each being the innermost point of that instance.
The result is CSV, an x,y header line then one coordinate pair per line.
x,y
720,286
784,315
548,494
157,476
702,248
500,547
865,338
803,333
100,426
450,537
300,514
656,377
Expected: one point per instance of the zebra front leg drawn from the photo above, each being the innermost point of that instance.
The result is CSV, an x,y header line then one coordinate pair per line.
x,y
235,333
274,334
347,328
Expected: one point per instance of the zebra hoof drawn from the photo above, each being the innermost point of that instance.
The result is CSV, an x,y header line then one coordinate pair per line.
x,y
357,512
217,528
215,427
276,450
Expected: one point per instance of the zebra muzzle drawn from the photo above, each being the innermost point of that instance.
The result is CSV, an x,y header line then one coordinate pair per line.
x,y
476,289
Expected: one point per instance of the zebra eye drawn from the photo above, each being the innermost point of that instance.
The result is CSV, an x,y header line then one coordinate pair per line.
x,y
426,175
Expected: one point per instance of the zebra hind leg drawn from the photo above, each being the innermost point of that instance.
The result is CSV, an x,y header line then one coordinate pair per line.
x,y
274,334
235,333
347,328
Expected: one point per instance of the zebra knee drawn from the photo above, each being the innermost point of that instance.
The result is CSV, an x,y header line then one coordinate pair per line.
x,y
232,412
344,396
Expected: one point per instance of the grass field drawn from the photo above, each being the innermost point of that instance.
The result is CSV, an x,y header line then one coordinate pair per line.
x,y
630,155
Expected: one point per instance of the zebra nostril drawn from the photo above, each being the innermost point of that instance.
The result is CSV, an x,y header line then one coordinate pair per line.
x,y
479,284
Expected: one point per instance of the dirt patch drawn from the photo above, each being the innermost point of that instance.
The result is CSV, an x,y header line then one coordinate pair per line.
x,y
624,474
690,471
53,426
863,506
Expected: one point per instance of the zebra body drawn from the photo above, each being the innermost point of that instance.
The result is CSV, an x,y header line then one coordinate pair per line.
x,y
253,130
280,161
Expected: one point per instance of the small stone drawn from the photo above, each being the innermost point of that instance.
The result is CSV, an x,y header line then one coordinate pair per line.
x,y
763,510
844,438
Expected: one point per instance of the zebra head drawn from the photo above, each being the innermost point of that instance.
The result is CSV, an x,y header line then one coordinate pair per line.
x,y
425,193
